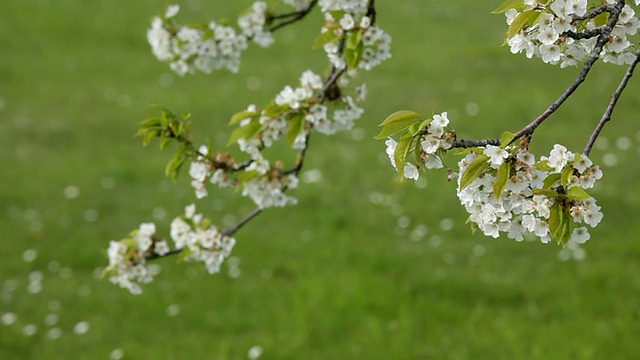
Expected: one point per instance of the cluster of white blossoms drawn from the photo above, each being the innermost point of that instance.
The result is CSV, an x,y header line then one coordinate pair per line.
x,y
376,43
434,138
544,198
351,6
549,32
258,178
127,258
199,240
193,236
208,47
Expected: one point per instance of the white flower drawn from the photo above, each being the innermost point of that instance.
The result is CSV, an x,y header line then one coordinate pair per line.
x,y
496,154
347,22
580,235
559,157
411,171
161,247
172,10
430,144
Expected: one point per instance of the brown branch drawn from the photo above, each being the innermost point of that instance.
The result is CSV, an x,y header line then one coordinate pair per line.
x,y
612,104
474,143
603,38
291,17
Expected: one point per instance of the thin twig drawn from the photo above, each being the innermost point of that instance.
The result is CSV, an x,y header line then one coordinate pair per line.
x,y
612,104
294,16
474,143
232,229
602,40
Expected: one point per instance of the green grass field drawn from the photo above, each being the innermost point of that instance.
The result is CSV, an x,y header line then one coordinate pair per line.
x,y
362,267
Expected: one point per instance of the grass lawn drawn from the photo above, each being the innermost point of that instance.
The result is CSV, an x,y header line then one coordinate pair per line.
x,y
362,267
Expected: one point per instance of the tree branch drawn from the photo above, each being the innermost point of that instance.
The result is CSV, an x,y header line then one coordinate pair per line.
x,y
291,17
474,143
603,38
612,104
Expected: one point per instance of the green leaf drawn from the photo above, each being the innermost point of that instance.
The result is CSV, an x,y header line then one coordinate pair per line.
x,y
174,165
510,4
522,21
401,154
248,175
551,180
149,136
353,56
577,193
476,168
567,173
244,132
296,122
546,192
397,122
543,165
273,110
354,39
506,138
239,116
325,38
556,220
151,122
502,177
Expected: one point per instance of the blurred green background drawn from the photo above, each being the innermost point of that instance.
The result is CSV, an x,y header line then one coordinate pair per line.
x,y
363,267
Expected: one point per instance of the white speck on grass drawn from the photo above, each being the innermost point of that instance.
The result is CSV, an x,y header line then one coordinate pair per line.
x,y
472,109
10,285
358,134
71,192
34,287
29,329
255,352
29,255
623,143
404,222
3,103
30,215
421,183
81,328
35,276
107,183
84,290
446,224
253,83
8,318
159,213
66,273
610,159
54,333
479,250
449,258
53,266
54,305
311,176
116,354
166,80
234,272
173,309
51,319
91,215
435,241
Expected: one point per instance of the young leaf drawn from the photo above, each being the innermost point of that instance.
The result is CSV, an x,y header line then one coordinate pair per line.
x,y
354,39
397,122
353,56
273,110
174,165
543,165
248,175
476,168
577,193
522,21
556,220
244,132
325,38
551,180
546,192
567,173
401,154
296,122
506,138
239,116
502,177
510,4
